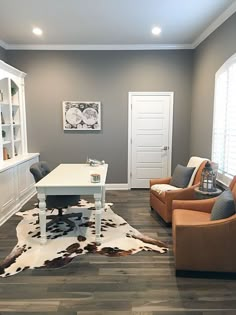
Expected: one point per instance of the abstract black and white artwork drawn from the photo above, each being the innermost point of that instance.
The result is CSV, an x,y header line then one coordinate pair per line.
x,y
78,115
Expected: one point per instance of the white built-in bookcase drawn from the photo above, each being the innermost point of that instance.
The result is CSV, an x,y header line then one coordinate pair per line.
x,y
16,182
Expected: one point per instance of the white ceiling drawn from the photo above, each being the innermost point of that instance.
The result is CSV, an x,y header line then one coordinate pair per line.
x,y
110,23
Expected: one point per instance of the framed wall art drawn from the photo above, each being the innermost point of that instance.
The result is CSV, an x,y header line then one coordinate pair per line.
x,y
78,115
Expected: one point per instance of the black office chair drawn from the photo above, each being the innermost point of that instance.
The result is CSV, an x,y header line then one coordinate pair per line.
x,y
41,169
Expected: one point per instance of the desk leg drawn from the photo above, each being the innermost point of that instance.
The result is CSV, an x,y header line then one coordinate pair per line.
x,y
103,196
98,215
42,217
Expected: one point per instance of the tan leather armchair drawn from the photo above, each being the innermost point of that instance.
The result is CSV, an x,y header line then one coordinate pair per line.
x,y
162,202
200,244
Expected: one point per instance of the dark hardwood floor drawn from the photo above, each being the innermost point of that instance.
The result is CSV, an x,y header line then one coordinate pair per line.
x,y
140,284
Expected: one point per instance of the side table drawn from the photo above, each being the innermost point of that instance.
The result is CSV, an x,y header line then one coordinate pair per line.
x,y
199,194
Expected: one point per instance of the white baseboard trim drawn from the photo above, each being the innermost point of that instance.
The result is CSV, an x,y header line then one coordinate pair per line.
x,y
12,211
117,187
17,206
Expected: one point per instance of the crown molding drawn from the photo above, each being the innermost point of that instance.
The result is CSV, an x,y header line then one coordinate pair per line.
x,y
98,47
215,24
210,29
12,70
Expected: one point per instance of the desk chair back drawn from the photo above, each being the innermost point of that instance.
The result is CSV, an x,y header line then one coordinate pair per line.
x,y
39,170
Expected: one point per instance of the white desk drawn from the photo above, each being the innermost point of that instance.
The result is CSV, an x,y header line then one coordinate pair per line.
x,y
72,179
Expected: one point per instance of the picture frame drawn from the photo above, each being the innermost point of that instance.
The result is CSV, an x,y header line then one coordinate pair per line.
x,y
81,116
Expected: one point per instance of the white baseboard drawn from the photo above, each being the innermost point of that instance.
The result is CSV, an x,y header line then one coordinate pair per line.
x,y
117,187
16,207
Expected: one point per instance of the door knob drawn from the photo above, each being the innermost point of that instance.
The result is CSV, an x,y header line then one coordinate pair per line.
x,y
165,148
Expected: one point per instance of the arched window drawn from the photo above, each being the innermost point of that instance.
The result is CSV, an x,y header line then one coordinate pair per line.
x,y
224,121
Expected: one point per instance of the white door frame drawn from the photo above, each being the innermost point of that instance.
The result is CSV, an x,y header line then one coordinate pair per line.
x,y
130,95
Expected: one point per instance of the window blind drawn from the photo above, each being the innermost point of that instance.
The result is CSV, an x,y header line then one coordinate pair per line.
x,y
224,121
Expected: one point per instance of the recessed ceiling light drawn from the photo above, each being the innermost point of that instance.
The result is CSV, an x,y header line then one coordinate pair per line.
x,y
156,30
37,31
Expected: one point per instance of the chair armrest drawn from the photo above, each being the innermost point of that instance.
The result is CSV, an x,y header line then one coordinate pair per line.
x,y
182,194
155,181
204,205
211,225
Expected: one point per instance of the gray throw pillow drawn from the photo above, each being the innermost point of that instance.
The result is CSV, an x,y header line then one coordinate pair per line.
x,y
224,206
181,176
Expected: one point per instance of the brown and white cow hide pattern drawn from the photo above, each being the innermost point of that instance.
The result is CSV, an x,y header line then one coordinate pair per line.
x,y
64,243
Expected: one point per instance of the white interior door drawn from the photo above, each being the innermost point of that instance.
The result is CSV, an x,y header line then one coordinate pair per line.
x,y
150,137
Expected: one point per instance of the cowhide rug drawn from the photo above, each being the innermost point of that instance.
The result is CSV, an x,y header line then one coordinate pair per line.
x,y
64,243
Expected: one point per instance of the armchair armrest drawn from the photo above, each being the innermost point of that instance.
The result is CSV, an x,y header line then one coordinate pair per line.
x,y
155,181
185,193
204,205
182,194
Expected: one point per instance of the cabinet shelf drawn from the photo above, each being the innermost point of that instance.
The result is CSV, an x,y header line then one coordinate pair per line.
x,y
4,104
6,142
6,125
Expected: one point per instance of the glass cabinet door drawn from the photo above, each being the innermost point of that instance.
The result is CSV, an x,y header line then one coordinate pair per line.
x,y
6,121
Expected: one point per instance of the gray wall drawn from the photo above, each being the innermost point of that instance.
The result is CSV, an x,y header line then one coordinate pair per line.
x,y
3,54
55,76
208,58
106,76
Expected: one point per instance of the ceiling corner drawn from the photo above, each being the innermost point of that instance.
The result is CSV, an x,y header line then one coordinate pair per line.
x,y
215,24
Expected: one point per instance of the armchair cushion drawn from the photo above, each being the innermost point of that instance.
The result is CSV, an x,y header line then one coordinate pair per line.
x,y
181,176
224,206
159,188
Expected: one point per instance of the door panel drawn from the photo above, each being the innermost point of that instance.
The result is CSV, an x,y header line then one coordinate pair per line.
x,y
149,157
150,117
148,140
143,173
153,124
152,106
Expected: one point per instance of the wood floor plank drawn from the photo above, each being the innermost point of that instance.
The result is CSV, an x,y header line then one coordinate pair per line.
x,y
140,284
